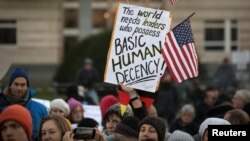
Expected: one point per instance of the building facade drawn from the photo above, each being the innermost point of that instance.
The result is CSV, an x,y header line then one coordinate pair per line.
x,y
219,27
31,35
37,33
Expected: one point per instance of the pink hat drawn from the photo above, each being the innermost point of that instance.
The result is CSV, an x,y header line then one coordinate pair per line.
x,y
74,103
106,102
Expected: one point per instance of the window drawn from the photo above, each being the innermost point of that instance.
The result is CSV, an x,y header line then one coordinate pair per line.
x,y
71,18
98,18
221,35
8,35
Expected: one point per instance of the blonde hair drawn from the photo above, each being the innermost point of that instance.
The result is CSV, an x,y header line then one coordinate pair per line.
x,y
62,123
244,95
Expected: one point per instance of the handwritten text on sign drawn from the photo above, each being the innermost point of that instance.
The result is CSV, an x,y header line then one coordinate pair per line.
x,y
135,50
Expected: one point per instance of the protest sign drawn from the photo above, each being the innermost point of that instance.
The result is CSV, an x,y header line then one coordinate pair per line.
x,y
94,112
45,102
134,57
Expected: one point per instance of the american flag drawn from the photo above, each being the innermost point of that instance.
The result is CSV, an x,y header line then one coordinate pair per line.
x,y
179,53
173,2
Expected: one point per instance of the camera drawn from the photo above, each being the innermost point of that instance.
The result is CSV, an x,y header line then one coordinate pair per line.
x,y
82,133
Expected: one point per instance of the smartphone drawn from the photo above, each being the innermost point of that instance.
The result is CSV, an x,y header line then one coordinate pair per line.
x,y
81,133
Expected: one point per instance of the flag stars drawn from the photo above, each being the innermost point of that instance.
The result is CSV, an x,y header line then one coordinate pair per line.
x,y
183,33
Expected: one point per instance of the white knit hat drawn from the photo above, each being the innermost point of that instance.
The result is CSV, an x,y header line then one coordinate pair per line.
x,y
211,121
60,104
178,135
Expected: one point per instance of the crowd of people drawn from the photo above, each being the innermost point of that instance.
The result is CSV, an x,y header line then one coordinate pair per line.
x,y
167,119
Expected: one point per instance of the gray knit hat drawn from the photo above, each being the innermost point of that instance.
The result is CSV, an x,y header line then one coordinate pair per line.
x,y
178,135
158,123
60,104
211,121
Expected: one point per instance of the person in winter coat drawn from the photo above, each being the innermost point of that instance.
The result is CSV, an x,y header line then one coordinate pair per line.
x,y
19,92
15,124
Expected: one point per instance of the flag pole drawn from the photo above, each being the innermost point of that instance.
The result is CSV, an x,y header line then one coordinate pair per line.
x,y
127,2
146,3
185,19
190,16
162,2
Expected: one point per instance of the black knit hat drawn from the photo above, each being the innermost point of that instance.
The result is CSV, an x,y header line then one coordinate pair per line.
x,y
158,123
128,127
220,110
88,122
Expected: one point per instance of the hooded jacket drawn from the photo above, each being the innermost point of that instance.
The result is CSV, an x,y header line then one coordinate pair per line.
x,y
37,110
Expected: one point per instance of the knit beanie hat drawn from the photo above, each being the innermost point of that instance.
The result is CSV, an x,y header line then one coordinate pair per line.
x,y
19,114
87,61
128,127
60,104
19,72
219,111
106,102
178,135
116,109
158,123
88,122
211,121
74,103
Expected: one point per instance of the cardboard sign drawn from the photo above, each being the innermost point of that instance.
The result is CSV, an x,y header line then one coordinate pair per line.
x,y
134,57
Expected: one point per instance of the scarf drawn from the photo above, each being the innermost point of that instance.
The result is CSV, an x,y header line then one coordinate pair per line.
x,y
14,99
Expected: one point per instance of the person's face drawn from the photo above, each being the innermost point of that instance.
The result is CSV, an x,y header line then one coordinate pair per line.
x,y
13,131
19,87
77,114
186,117
148,132
211,98
205,136
50,131
88,66
57,111
238,103
111,123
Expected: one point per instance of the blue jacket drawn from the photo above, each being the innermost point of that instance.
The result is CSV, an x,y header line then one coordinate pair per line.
x,y
37,110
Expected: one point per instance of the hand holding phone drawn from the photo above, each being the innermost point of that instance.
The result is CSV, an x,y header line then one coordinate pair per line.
x,y
81,133
68,136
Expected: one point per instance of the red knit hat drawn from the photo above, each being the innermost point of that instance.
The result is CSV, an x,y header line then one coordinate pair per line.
x,y
106,102
19,114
